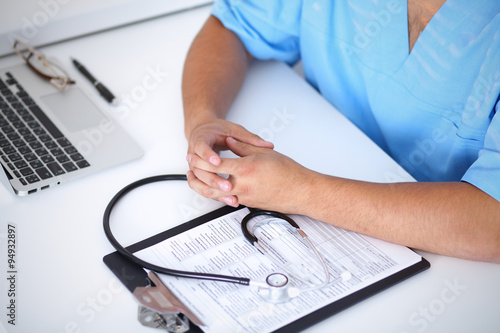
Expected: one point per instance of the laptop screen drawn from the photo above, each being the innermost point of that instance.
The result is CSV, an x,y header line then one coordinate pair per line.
x,y
41,22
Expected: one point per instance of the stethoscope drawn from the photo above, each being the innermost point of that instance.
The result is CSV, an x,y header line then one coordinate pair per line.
x,y
275,289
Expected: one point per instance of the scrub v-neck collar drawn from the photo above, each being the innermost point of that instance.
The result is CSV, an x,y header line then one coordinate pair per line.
x,y
424,32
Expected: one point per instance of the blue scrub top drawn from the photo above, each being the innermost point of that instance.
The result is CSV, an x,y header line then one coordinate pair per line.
x,y
433,110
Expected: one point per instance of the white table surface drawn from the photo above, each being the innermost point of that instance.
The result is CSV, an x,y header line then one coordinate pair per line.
x,y
62,284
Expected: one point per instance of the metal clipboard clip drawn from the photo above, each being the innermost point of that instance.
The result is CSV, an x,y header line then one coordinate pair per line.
x,y
159,308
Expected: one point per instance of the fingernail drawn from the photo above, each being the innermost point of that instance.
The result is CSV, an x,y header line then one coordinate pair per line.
x,y
189,157
214,160
231,201
224,186
231,139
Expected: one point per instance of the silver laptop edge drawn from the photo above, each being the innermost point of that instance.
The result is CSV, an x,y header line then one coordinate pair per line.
x,y
100,139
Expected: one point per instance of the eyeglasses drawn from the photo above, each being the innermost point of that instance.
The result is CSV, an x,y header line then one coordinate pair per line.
x,y
46,69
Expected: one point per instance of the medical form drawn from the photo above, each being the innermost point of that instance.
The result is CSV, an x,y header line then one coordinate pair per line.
x,y
218,246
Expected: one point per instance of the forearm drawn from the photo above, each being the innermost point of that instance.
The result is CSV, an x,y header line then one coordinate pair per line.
x,y
453,218
214,71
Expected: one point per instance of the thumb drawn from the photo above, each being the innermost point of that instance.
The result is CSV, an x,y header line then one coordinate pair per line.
x,y
242,149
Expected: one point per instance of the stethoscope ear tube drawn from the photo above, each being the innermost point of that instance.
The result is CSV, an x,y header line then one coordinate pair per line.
x,y
257,212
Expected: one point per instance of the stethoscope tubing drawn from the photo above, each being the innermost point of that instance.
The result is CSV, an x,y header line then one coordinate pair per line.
x,y
257,212
147,265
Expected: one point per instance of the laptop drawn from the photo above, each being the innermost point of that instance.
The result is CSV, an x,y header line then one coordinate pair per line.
x,y
48,136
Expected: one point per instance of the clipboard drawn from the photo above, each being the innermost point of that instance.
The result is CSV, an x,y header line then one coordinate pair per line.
x,y
135,279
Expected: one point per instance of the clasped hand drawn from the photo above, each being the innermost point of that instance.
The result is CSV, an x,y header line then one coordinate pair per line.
x,y
260,177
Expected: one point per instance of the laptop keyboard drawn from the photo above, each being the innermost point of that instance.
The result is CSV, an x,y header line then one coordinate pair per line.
x,y
31,146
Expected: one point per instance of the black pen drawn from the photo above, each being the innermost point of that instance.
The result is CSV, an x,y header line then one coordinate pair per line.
x,y
108,96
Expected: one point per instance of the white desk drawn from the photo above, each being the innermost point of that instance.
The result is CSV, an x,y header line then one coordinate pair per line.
x,y
62,284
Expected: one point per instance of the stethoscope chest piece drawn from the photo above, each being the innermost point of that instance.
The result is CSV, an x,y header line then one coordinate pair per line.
x,y
277,289
277,280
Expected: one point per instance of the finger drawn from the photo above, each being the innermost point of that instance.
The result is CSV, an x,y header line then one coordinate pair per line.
x,y
206,152
196,161
253,139
200,187
243,149
213,180
230,200
228,166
